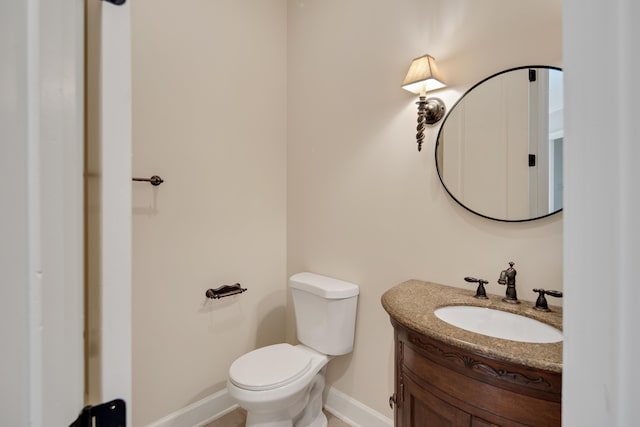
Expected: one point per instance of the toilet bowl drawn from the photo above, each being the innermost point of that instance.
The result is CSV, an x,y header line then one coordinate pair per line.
x,y
281,385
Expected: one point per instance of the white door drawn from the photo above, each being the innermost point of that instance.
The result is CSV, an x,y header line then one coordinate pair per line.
x,y
115,127
109,202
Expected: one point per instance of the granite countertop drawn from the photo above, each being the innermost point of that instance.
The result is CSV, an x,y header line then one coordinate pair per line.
x,y
412,304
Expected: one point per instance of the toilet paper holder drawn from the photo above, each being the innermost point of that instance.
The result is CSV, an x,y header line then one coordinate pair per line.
x,y
225,291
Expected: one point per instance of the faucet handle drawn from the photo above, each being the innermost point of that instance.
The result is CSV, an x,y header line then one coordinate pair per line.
x,y
481,293
541,302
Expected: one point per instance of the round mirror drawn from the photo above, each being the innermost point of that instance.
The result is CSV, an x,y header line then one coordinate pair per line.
x,y
499,150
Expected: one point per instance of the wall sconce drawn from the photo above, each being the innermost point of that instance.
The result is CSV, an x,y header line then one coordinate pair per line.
x,y
423,77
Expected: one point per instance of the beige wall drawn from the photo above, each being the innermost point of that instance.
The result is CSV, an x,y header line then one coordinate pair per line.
x,y
287,144
209,113
363,204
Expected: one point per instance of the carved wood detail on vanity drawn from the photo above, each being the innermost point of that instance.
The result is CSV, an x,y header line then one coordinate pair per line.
x,y
472,363
439,384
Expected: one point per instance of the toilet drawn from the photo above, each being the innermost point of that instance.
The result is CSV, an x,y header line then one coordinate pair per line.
x,y
281,385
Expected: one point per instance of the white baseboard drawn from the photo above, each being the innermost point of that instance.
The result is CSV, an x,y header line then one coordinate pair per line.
x,y
352,411
218,404
199,413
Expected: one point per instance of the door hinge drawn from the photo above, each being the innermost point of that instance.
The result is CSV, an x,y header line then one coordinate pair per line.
x,y
533,75
392,400
532,160
110,414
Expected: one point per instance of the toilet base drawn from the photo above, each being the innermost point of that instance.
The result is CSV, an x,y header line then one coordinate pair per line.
x,y
310,411
319,421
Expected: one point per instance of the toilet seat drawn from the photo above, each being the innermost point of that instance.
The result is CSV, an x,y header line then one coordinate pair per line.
x,y
269,367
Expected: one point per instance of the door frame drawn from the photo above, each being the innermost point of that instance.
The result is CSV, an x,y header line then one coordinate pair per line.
x,y
42,216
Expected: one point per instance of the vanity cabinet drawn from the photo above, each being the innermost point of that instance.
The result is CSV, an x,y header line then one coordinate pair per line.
x,y
438,384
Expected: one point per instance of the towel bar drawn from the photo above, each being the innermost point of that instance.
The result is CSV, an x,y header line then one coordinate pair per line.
x,y
154,180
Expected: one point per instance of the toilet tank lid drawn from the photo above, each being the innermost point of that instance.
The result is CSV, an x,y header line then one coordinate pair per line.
x,y
326,287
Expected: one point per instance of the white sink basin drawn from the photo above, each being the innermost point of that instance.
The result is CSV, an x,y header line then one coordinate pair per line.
x,y
498,324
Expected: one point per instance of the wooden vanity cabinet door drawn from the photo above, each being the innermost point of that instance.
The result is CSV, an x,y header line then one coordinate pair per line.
x,y
423,409
435,388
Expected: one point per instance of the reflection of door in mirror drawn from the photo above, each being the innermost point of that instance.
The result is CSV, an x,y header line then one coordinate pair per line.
x,y
556,184
539,142
545,141
503,153
486,143
556,139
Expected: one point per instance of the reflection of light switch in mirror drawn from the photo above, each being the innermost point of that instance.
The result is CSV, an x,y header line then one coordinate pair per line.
x,y
422,77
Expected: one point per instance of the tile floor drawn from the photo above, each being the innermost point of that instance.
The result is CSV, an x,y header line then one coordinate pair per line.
x,y
237,419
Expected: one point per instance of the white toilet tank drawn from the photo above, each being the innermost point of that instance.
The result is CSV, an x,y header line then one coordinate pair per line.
x,y
325,312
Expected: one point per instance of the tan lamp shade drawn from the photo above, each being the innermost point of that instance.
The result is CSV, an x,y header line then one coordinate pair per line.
x,y
423,76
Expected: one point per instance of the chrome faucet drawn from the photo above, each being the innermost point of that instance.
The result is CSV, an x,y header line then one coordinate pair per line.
x,y
508,277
